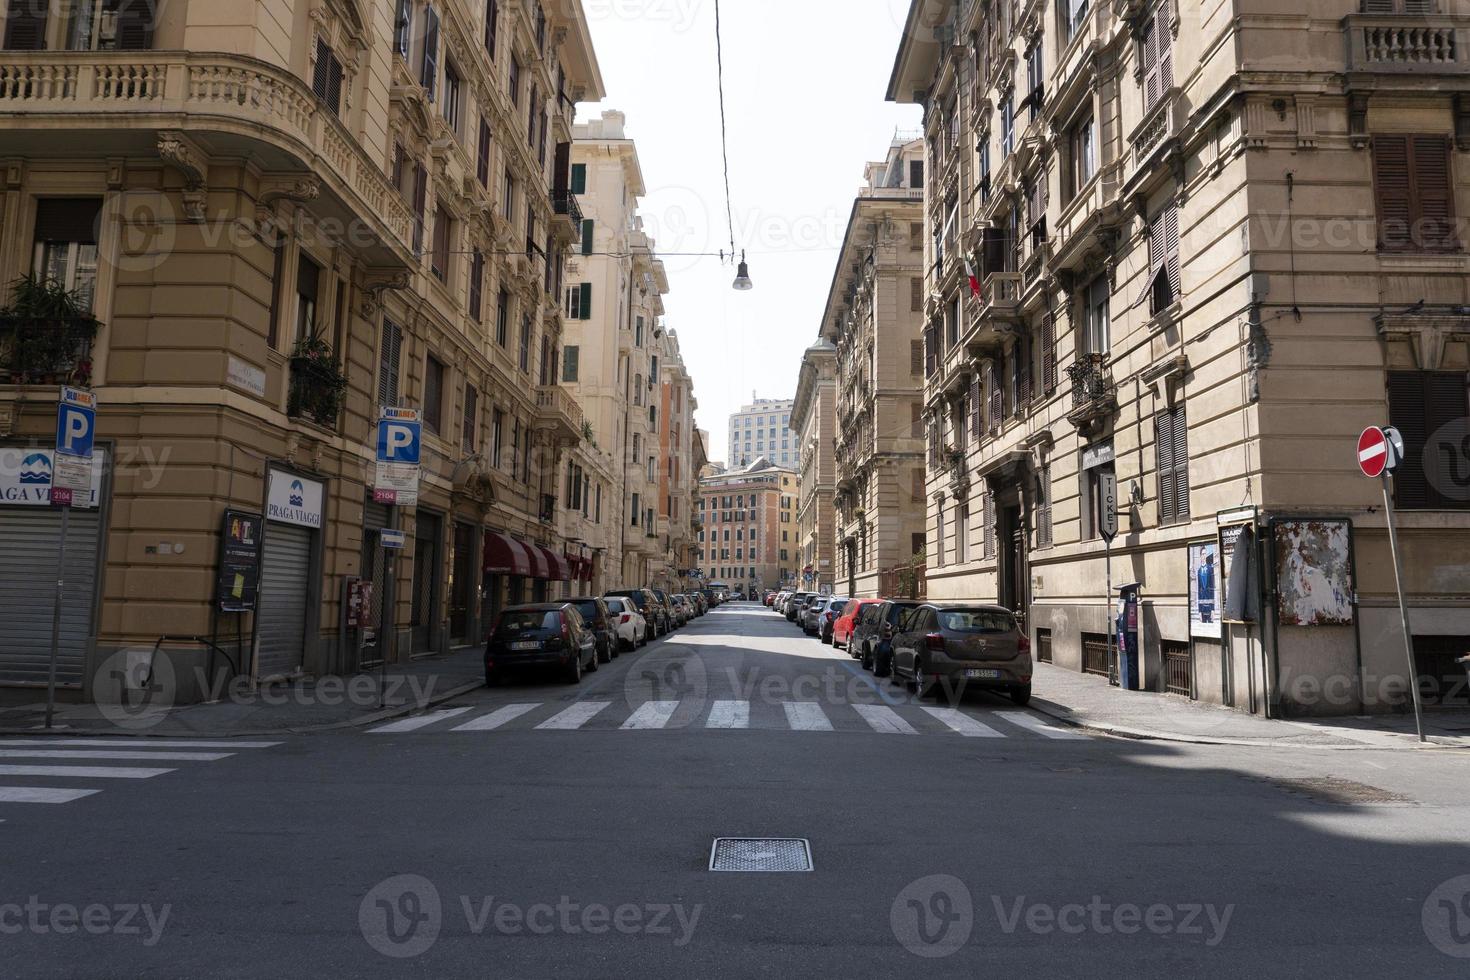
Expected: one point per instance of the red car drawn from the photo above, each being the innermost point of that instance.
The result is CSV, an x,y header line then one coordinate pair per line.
x,y
843,627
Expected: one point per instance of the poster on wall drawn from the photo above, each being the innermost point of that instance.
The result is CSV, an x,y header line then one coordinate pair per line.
x,y
1314,580
1204,589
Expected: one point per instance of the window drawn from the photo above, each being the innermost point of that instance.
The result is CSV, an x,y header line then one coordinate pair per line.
x,y
579,178
66,245
477,286
308,285
916,174
492,26
1157,55
326,76
502,318
1414,193
570,365
637,508
579,302
1072,14
1035,81
497,436
429,63
939,534
515,82
962,534
1163,260
443,229
1007,128
638,342
94,25
508,195
389,357
531,130
588,231
525,347
433,394
1082,156
1171,446
403,28
471,417
1042,509
420,201
1095,319
987,524
1427,407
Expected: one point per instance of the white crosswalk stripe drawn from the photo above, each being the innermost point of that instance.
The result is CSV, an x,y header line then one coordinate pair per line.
x,y
1034,724
964,724
729,714
416,722
574,717
68,760
884,720
806,716
496,718
651,714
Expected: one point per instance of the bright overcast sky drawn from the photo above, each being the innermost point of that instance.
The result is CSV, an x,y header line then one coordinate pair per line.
x,y
804,88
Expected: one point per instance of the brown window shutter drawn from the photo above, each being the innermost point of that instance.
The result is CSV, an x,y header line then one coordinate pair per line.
x,y
1164,31
1446,400
916,236
420,200
997,395
135,25
1179,443
1434,214
992,253
1023,370
1171,248
916,423
25,25
319,71
916,357
917,489
1049,354
1391,191
916,295
976,410
1164,459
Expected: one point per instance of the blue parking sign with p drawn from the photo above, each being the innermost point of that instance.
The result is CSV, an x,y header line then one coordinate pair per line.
x,y
398,441
76,424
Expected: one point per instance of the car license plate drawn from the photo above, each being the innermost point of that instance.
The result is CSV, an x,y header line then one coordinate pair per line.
x,y
979,674
526,645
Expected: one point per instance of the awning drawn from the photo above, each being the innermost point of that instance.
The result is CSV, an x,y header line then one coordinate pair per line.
x,y
558,569
581,568
540,568
504,555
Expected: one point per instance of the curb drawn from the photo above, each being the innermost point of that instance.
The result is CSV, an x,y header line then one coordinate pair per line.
x,y
385,714
1064,715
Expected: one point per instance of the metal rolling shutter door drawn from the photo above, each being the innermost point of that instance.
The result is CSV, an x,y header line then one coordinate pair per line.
x,y
28,540
284,593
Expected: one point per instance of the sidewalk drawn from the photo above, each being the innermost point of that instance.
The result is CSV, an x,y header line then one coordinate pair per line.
x,y
316,704
1090,702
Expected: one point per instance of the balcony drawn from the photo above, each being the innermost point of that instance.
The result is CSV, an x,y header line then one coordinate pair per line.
x,y
44,351
1416,44
318,387
1157,135
558,412
568,211
1094,395
239,107
999,302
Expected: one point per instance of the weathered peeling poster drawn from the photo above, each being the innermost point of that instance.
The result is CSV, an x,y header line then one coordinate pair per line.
x,y
1314,584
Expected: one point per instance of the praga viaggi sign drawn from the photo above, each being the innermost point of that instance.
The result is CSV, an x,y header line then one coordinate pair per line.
x,y
27,474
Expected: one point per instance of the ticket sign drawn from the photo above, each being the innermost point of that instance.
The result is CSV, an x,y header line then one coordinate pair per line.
x,y
76,430
400,441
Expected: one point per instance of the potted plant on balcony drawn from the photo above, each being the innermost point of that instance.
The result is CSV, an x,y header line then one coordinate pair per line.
x,y
318,386
46,335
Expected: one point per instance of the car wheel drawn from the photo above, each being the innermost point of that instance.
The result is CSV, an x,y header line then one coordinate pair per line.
x,y
593,661
491,680
1021,695
574,672
866,656
921,686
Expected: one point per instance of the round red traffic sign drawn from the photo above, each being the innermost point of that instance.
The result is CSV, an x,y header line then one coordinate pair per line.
x,y
1373,451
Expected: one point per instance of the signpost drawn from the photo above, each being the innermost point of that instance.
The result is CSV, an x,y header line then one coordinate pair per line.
x,y
76,429
400,438
1107,526
1380,453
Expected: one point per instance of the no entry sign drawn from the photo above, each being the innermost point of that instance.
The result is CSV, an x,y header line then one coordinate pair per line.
x,y
1379,451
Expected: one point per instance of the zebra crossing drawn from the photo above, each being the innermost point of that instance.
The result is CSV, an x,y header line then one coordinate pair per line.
x,y
64,770
732,715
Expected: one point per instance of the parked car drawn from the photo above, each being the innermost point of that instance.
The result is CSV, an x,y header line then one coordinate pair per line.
x,y
846,623
827,617
697,600
663,598
963,646
794,605
540,636
813,607
710,599
628,622
594,612
683,613
649,606
873,637
778,604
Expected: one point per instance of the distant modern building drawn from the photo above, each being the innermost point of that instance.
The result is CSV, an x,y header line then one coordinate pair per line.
x,y
761,429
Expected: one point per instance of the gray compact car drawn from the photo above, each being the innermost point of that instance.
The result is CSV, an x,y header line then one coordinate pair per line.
x,y
955,648
806,618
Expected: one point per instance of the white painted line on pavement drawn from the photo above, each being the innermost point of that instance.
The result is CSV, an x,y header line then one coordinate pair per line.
x,y
84,772
574,717
1034,724
729,714
496,718
806,716
150,743
884,720
651,714
110,754
418,721
40,794
963,723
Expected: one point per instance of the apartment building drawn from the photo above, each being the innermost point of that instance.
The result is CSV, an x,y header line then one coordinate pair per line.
x,y
875,317
614,308
272,225
739,540
814,424
680,455
759,430
1213,244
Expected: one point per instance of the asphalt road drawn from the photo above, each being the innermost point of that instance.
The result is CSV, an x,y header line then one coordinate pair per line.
x,y
566,832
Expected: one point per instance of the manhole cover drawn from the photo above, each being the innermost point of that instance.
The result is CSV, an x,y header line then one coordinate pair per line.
x,y
1340,792
760,854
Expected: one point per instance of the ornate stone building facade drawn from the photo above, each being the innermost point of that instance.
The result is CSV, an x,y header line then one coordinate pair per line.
x,y
814,420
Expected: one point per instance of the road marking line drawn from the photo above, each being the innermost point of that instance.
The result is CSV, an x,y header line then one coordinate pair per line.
x,y
963,723
108,754
884,720
418,721
651,714
806,716
574,717
496,718
729,714
84,772
1031,723
40,794
150,743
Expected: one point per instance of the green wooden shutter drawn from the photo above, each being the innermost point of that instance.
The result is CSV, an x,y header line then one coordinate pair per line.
x,y
579,178
588,231
586,311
